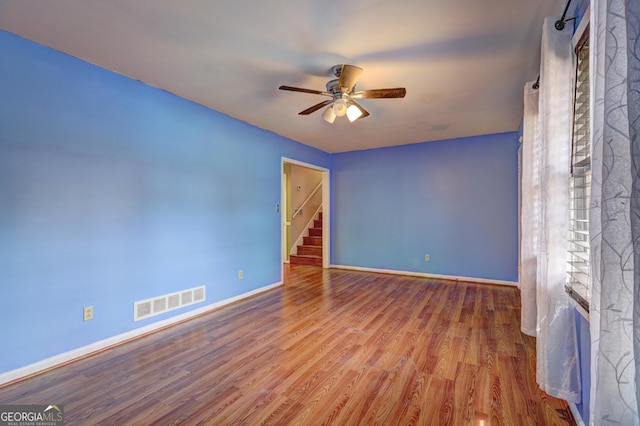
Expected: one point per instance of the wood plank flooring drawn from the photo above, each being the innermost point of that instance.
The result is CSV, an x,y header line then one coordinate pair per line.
x,y
329,347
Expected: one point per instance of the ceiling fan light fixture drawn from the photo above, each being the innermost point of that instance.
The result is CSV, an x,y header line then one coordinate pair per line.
x,y
353,113
328,115
340,107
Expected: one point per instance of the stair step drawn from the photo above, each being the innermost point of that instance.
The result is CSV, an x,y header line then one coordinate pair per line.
x,y
305,260
315,232
310,250
312,241
310,253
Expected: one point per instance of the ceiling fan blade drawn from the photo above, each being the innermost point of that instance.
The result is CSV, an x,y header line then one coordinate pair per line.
x,y
315,107
299,89
365,113
348,76
398,92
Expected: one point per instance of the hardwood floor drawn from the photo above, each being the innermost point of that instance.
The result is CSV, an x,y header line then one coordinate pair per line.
x,y
329,347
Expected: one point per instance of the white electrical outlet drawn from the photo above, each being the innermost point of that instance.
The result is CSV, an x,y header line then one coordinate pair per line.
x,y
240,274
87,313
427,258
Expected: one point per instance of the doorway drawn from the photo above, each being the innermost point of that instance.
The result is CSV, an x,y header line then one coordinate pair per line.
x,y
289,207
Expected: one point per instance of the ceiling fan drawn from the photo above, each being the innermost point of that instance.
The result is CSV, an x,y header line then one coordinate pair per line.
x,y
342,93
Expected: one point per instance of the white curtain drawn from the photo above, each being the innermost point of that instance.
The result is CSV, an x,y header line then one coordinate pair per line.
x,y
557,369
615,211
556,346
530,194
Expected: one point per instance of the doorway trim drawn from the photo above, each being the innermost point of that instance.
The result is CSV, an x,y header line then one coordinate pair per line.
x,y
326,217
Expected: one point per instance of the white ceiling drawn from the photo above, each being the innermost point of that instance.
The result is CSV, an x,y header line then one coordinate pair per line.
x,y
463,62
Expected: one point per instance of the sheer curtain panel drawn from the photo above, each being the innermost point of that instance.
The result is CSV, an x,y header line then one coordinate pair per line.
x,y
615,211
530,194
557,369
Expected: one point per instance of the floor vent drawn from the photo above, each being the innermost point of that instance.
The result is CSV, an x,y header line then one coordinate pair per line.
x,y
168,302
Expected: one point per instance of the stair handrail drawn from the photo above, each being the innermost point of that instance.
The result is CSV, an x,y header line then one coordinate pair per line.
x,y
296,211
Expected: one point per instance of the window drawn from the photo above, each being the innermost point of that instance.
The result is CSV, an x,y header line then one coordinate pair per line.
x,y
578,272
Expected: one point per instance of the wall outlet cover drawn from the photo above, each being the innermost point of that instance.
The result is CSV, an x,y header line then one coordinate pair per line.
x,y
87,313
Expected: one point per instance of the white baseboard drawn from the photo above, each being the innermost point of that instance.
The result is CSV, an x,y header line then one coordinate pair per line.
x,y
426,275
100,345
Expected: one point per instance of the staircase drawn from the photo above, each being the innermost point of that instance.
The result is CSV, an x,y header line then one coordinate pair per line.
x,y
310,252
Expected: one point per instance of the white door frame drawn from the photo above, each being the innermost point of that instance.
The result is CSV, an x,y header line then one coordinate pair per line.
x,y
326,243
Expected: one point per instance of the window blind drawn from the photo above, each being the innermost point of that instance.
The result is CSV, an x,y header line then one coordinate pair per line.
x,y
578,270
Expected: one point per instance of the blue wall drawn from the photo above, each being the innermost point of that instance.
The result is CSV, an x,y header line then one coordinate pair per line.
x,y
584,359
578,11
112,191
456,200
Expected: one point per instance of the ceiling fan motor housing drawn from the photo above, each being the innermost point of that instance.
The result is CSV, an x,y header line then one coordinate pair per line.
x,y
333,87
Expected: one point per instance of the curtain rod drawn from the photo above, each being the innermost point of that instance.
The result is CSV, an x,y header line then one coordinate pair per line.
x,y
559,25
560,22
